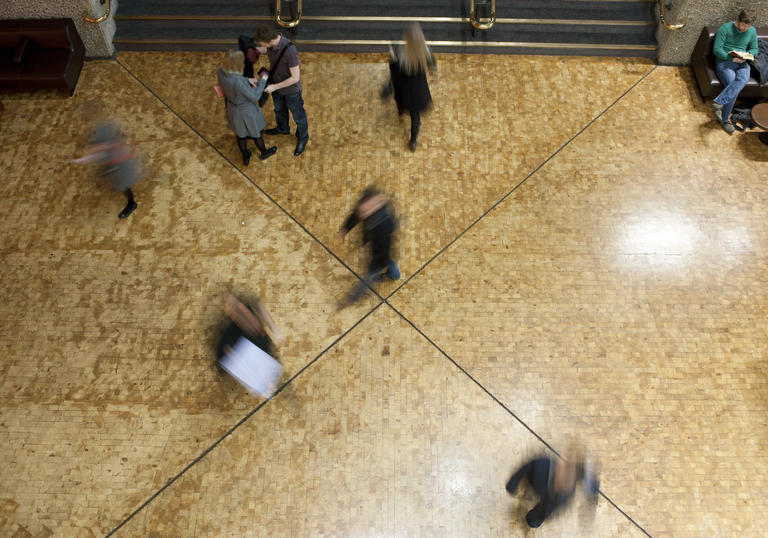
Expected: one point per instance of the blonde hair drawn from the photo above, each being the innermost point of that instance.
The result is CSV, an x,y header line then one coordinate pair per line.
x,y
415,55
234,60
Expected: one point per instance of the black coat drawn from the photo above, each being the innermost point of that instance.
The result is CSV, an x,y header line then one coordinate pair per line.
x,y
377,230
411,90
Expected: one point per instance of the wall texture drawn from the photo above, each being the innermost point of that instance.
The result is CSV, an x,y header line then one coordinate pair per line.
x,y
96,37
675,46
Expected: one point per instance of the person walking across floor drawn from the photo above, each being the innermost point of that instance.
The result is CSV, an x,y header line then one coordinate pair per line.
x,y
118,161
554,481
408,74
734,43
244,115
284,84
375,212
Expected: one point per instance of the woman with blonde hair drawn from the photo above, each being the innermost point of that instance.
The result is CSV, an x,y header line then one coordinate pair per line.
x,y
408,70
242,95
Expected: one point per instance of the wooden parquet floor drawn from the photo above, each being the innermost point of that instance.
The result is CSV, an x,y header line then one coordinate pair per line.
x,y
583,254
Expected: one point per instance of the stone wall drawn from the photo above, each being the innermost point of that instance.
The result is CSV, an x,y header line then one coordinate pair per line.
x,y
96,37
676,46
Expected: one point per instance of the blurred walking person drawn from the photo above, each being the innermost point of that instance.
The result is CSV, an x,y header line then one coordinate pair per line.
x,y
248,345
375,212
554,481
118,161
244,116
408,74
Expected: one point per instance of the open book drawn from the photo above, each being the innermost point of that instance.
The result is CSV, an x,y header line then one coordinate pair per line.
x,y
741,54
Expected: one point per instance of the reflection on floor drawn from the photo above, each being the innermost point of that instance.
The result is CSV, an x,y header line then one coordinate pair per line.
x,y
583,255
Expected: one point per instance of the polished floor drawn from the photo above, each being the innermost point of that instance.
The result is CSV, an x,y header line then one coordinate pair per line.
x,y
584,257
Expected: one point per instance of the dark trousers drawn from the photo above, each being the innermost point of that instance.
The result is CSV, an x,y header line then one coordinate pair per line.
x,y
536,472
415,124
294,103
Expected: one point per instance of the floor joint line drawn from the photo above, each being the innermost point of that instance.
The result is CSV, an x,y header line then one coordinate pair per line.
x,y
504,406
382,300
242,173
242,421
508,194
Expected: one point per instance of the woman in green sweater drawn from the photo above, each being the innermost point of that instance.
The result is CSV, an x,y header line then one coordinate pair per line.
x,y
733,72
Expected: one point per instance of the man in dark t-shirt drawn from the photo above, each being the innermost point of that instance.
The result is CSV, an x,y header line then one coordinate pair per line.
x,y
285,84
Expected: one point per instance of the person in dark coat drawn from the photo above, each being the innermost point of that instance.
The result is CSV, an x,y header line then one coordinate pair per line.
x,y
374,211
408,72
554,481
244,115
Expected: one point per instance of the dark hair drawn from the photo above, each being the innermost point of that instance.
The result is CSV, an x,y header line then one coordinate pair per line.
x,y
264,34
368,193
744,17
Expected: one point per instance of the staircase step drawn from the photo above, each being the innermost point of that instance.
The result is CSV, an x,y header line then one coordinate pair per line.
x,y
514,9
615,28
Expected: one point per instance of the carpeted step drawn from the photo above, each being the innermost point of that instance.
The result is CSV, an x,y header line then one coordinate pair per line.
x,y
554,25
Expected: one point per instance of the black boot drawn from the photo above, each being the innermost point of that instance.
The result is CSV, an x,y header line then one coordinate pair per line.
x,y
265,153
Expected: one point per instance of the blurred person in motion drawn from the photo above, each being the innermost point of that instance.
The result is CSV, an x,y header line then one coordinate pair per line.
x,y
244,116
248,345
375,212
248,319
408,78
117,159
554,480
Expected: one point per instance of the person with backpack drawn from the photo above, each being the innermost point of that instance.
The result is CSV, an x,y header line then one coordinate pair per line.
x,y
284,84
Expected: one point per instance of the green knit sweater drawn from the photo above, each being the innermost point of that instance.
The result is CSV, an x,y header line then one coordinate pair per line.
x,y
729,38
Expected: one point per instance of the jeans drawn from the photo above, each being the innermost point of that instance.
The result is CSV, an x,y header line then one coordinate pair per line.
x,y
734,77
294,103
373,275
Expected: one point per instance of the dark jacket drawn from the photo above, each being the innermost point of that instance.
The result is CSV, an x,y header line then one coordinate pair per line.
x,y
411,89
760,63
377,229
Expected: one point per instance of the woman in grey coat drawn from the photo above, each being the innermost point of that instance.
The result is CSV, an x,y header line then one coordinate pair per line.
x,y
243,112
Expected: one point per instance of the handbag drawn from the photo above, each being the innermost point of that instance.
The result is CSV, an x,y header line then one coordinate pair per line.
x,y
265,95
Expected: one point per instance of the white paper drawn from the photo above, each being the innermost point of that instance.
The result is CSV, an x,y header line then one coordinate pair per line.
x,y
257,371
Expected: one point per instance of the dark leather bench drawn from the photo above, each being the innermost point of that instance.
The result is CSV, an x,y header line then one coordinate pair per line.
x,y
703,65
40,54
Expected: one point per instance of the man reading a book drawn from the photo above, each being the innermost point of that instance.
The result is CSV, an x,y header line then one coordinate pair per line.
x,y
735,43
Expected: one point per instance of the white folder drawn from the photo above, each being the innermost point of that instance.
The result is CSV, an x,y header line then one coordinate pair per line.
x,y
256,370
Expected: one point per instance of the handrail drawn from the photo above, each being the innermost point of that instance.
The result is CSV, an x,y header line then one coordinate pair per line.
x,y
100,19
476,21
668,26
284,23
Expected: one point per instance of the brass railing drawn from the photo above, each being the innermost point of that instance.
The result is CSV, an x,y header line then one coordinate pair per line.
x,y
100,19
662,10
294,22
475,19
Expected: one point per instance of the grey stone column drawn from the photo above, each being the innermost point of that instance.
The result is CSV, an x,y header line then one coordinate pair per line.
x,y
676,46
97,38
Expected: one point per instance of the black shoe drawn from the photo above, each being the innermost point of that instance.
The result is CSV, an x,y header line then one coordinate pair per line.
x,y
413,146
300,147
267,154
247,159
130,208
276,131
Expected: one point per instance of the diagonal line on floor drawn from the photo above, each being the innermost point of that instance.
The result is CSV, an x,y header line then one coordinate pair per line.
x,y
247,177
507,409
242,421
382,300
284,385
518,185
472,225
